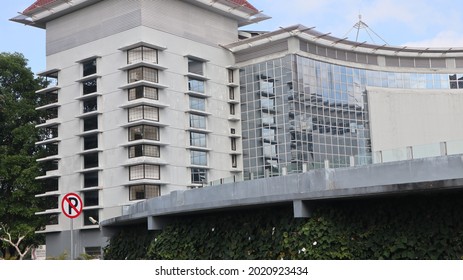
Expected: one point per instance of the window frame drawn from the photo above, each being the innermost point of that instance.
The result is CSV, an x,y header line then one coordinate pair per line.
x,y
87,69
133,191
133,177
143,54
143,132
132,114
133,151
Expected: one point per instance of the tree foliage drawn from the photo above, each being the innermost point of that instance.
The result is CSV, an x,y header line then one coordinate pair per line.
x,y
18,153
427,226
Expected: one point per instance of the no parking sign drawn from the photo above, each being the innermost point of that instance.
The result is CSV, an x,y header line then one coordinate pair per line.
x,y
71,205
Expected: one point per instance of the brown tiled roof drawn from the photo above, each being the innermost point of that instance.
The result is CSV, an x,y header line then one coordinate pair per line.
x,y
40,3
37,4
244,3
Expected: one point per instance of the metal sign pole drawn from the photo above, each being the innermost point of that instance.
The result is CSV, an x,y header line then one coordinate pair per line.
x,y
72,205
72,239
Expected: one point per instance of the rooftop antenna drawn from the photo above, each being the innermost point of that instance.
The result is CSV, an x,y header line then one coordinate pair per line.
x,y
362,25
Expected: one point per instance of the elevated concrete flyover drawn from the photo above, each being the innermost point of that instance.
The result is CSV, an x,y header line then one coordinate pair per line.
x,y
429,174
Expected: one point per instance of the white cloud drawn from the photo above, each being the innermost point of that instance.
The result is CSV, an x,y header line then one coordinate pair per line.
x,y
443,39
416,22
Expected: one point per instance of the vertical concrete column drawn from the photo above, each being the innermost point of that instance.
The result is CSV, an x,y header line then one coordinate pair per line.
x,y
352,161
443,148
301,209
327,164
305,167
409,152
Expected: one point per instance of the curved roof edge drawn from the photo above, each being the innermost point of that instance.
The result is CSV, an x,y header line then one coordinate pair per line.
x,y
327,40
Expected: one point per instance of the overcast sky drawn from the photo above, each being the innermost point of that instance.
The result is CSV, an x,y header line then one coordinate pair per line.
x,y
426,23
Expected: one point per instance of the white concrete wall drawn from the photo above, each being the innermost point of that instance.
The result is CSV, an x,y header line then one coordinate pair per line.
x,y
114,175
400,118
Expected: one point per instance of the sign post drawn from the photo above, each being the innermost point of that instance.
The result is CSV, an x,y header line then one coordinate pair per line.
x,y
71,206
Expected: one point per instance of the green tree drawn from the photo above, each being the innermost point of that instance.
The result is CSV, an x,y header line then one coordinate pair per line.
x,y
18,153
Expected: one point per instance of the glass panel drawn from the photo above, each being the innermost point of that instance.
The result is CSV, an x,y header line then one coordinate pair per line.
x,y
142,53
198,176
135,75
234,161
150,55
232,109
197,139
143,73
136,172
197,103
197,121
198,158
152,191
231,93
89,67
144,191
91,142
230,75
135,133
150,74
91,179
196,85
137,192
135,113
89,86
233,144
91,123
91,160
195,66
151,132
144,150
151,113
144,132
90,105
91,198
134,55
143,92
136,151
152,171
151,150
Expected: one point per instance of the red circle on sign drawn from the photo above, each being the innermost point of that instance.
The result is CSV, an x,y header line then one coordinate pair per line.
x,y
71,205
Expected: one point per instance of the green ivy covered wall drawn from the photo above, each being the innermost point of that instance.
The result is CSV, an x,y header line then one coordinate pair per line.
x,y
421,226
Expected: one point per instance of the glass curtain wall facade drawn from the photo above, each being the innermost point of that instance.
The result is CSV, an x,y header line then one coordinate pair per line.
x,y
299,112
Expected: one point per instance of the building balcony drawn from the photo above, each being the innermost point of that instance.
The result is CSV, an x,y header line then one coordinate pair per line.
x,y
144,141
234,118
195,129
48,89
198,112
88,96
145,182
49,175
143,64
145,160
144,101
46,194
233,101
48,123
205,149
145,122
197,94
48,106
143,83
49,158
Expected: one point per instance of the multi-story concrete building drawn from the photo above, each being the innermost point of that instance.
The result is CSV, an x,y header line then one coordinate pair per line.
x,y
162,95
143,100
